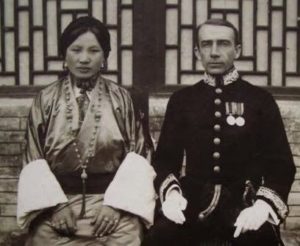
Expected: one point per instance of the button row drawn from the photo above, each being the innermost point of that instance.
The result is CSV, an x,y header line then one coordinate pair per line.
x,y
217,128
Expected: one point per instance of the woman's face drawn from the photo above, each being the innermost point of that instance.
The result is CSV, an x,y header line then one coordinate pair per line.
x,y
84,56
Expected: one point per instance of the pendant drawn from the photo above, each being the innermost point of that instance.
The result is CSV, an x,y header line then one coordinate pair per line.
x,y
240,121
83,174
230,120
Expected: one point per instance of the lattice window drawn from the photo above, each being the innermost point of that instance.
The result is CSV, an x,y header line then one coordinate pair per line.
x,y
269,31
30,30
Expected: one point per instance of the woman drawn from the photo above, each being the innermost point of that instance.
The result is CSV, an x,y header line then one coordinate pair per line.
x,y
82,126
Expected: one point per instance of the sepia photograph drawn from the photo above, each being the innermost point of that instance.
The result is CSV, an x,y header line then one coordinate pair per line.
x,y
150,122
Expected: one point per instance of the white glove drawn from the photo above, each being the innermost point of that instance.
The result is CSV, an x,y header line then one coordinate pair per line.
x,y
173,206
252,218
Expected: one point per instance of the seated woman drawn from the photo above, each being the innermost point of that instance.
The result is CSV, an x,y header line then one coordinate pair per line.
x,y
80,129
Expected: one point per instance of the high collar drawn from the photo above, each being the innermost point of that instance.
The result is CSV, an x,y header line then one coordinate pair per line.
x,y
84,85
231,76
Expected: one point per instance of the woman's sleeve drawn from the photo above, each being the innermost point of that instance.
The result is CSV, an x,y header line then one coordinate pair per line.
x,y
139,137
276,158
35,133
36,182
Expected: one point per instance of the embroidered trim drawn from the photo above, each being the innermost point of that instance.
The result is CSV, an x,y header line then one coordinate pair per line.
x,y
172,187
228,78
85,84
170,182
271,195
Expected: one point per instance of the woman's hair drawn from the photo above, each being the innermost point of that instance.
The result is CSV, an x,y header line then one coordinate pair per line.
x,y
83,25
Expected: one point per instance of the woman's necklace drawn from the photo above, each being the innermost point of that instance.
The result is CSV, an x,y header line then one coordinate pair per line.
x,y
85,84
84,161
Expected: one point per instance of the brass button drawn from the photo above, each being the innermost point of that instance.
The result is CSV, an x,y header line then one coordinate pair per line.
x,y
217,169
201,216
217,141
216,155
218,114
217,128
217,101
218,90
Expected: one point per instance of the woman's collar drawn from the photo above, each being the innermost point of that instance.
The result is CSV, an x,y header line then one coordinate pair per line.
x,y
228,78
77,92
84,85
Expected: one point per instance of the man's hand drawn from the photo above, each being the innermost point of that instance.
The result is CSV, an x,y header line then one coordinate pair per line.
x,y
173,206
63,220
105,221
252,218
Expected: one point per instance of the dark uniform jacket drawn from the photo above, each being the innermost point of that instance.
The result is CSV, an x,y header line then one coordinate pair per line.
x,y
196,124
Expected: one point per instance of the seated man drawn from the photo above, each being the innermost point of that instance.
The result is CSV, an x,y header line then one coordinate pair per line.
x,y
239,167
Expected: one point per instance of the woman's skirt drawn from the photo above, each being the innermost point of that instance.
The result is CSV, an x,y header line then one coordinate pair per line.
x,y
128,232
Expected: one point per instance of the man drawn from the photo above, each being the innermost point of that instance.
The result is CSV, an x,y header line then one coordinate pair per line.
x,y
239,167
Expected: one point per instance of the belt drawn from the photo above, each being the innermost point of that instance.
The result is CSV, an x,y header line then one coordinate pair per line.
x,y
95,184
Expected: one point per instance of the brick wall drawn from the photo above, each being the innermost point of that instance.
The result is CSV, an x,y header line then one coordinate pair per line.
x,y
13,114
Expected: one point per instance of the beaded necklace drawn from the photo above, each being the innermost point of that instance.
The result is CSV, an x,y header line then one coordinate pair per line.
x,y
94,107
85,84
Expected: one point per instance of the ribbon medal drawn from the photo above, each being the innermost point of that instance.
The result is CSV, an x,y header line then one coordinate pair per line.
x,y
230,120
235,112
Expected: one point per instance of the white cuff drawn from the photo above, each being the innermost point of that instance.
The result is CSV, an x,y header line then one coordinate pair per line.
x,y
167,185
132,188
38,189
171,188
270,196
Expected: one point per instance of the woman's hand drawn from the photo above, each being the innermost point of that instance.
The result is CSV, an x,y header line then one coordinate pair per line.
x,y
64,220
105,221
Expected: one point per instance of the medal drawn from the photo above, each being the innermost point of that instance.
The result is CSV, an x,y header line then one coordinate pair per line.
x,y
240,121
235,112
230,120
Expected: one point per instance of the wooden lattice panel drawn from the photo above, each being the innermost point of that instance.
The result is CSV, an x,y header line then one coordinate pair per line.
x,y
269,32
30,29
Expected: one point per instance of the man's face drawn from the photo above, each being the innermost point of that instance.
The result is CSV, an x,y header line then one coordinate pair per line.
x,y
217,49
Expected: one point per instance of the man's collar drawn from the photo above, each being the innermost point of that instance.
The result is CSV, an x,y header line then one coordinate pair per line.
x,y
228,78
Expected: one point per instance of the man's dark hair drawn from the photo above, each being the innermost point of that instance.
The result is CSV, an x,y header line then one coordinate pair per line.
x,y
218,22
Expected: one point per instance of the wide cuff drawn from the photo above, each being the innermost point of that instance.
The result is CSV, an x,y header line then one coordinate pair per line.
x,y
38,189
274,200
170,183
132,188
